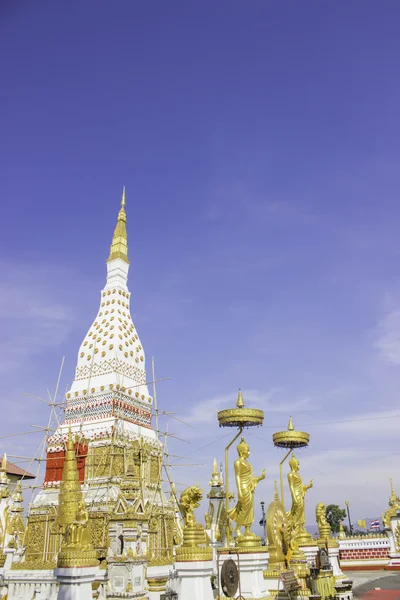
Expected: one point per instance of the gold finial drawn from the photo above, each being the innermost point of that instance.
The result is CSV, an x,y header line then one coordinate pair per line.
x,y
290,426
119,244
215,471
393,498
4,481
70,495
240,403
276,495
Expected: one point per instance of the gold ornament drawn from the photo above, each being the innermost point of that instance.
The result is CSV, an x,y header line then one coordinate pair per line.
x,y
324,529
394,506
119,245
296,515
195,544
243,512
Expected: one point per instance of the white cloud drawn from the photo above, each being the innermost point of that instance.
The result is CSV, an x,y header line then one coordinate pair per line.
x,y
32,314
388,342
205,412
381,424
236,199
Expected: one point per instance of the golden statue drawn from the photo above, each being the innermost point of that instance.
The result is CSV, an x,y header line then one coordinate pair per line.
x,y
276,534
78,533
296,515
324,528
243,513
195,543
189,500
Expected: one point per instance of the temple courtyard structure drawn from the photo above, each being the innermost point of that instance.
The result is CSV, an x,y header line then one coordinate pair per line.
x,y
102,525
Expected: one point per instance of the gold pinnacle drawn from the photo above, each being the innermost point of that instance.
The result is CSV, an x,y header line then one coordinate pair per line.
x,y
119,244
215,467
70,494
290,425
276,495
240,403
4,463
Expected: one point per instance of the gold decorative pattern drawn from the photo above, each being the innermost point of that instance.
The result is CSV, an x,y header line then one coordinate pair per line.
x,y
119,244
195,544
240,416
291,438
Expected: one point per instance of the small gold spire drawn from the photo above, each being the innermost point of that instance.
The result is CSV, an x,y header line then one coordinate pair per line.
x,y
119,244
240,403
276,495
70,495
290,426
215,471
17,498
393,497
4,481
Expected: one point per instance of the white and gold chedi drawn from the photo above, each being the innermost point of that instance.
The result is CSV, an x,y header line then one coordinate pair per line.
x,y
124,520
102,507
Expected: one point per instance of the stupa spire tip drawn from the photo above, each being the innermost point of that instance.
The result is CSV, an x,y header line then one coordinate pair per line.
x,y
240,402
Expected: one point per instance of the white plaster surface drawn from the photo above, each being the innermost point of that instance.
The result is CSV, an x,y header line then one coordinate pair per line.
x,y
75,583
195,580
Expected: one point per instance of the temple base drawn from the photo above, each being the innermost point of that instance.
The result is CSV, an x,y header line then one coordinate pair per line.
x,y
75,583
194,580
251,565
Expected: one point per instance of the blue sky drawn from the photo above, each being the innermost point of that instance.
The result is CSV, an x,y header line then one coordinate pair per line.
x,y
259,144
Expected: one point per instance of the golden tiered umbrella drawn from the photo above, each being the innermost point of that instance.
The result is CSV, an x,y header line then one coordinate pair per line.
x,y
240,417
290,438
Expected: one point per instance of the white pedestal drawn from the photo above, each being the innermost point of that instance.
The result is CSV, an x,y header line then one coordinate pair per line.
x,y
157,577
251,566
75,583
394,550
9,552
310,553
195,580
275,588
333,553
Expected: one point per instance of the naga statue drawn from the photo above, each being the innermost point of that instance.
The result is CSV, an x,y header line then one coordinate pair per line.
x,y
243,513
189,500
296,515
195,543
325,532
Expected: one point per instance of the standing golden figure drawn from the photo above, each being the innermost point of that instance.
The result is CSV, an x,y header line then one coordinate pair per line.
x,y
296,515
243,513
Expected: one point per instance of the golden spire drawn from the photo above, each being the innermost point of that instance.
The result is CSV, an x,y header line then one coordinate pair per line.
x,y
393,497
276,495
240,403
290,426
70,495
119,244
4,481
215,471
17,499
